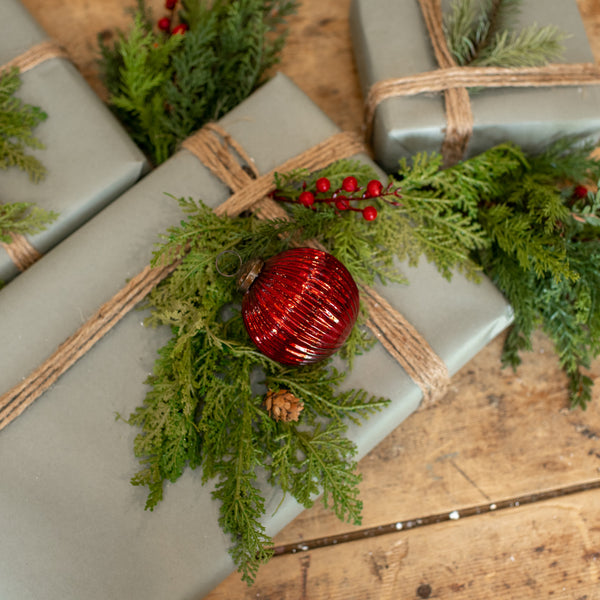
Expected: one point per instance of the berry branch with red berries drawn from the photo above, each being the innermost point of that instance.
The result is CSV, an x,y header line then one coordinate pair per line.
x,y
344,196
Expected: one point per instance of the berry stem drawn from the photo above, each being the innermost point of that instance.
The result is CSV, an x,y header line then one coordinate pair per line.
x,y
343,196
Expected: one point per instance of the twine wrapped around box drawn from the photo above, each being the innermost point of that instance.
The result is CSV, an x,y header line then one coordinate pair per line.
x,y
454,81
20,251
221,154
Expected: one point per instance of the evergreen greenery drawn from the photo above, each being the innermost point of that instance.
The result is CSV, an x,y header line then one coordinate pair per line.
x,y
541,242
164,87
545,257
17,121
206,403
481,33
23,218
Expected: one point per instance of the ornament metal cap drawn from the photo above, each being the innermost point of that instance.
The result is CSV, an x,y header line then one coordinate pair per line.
x,y
249,272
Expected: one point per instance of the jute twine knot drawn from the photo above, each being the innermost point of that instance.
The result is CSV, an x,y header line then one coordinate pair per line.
x,y
20,250
228,161
454,81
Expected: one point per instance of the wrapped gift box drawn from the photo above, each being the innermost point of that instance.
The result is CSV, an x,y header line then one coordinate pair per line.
x,y
71,522
390,41
89,157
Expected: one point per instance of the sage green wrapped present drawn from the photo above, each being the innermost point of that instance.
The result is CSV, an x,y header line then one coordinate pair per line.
x,y
90,159
391,40
72,525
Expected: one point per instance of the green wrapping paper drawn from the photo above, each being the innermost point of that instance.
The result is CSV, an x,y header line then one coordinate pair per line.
x,y
390,40
72,525
89,157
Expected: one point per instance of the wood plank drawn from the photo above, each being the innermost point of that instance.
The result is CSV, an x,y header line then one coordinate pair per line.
x,y
494,436
486,556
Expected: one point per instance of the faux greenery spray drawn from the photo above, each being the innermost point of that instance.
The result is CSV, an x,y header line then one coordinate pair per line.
x,y
17,121
167,78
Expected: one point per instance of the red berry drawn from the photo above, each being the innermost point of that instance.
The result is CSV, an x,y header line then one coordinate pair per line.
x,y
306,198
342,203
350,184
374,188
164,23
580,191
170,4
369,213
323,184
180,29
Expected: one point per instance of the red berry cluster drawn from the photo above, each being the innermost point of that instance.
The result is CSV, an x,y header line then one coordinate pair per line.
x,y
341,198
164,23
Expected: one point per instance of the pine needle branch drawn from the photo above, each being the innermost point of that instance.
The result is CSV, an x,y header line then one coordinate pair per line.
x,y
482,34
164,87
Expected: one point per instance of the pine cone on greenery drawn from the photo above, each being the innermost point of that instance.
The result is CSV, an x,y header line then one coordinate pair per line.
x,y
282,405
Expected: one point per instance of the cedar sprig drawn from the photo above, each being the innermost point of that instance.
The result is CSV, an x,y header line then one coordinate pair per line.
x,y
138,96
539,241
544,253
23,218
17,122
482,34
164,87
205,407
522,219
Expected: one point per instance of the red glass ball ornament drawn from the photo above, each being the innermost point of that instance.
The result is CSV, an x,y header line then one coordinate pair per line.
x,y
299,306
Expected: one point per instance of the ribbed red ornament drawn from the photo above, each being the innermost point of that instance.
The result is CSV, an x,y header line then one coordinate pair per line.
x,y
299,306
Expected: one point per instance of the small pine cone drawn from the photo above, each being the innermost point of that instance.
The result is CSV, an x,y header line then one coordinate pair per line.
x,y
283,405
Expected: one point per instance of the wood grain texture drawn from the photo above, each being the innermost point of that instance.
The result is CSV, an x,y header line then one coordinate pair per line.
x,y
495,436
549,550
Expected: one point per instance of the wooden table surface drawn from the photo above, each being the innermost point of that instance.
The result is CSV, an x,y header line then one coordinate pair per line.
x,y
491,494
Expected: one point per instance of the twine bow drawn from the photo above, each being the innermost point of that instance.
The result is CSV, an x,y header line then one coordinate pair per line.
x,y
20,250
221,154
454,81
